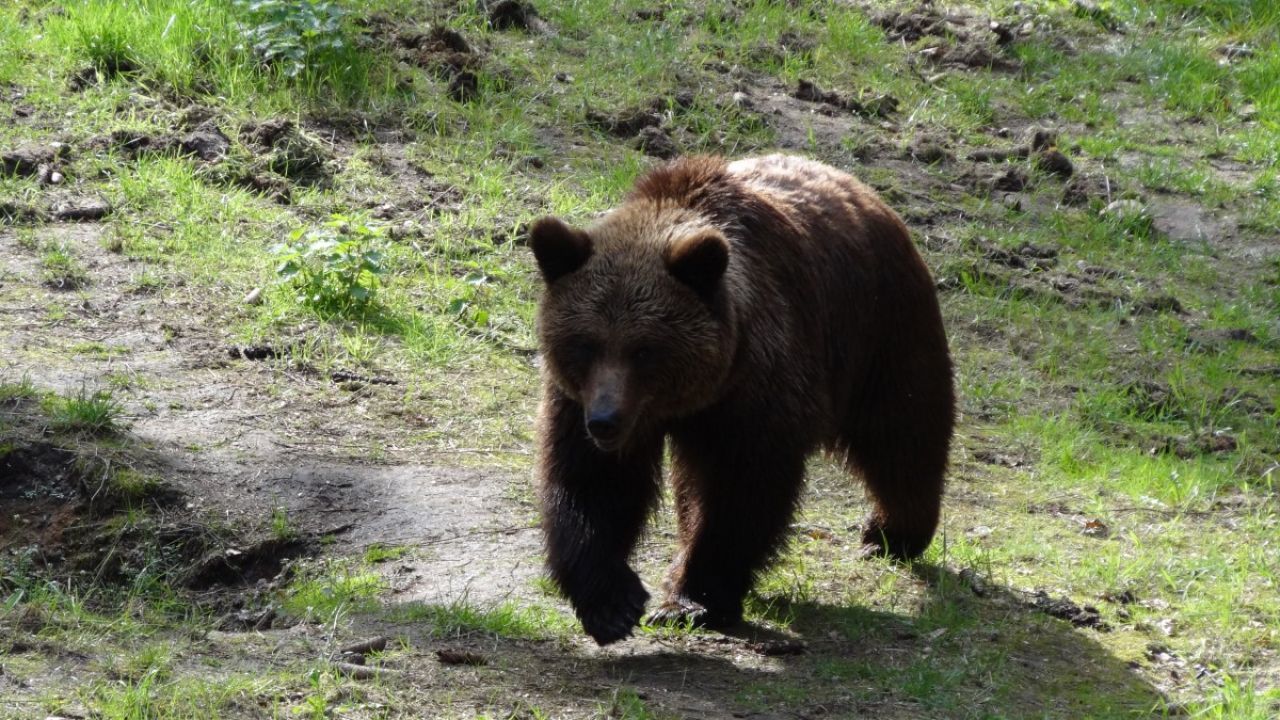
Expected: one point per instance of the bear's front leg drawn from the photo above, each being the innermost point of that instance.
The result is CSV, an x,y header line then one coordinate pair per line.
x,y
594,506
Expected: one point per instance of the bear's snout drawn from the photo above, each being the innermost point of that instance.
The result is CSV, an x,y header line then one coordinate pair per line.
x,y
607,421
604,422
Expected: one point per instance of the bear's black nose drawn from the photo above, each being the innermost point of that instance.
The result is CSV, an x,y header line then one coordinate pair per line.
x,y
603,424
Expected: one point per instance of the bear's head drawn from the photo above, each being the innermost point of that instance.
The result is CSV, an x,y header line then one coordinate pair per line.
x,y
635,323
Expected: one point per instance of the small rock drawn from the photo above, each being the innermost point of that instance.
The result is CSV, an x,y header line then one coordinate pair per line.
x,y
254,297
82,211
1236,52
1125,209
970,577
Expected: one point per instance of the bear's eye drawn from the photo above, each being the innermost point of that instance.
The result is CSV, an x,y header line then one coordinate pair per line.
x,y
583,351
644,356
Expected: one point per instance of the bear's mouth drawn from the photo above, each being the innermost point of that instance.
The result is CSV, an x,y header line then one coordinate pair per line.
x,y
610,440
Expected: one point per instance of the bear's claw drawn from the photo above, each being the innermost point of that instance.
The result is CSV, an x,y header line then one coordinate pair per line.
x,y
679,610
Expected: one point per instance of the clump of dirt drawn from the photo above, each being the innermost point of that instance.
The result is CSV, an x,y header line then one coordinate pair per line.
x,y
207,142
656,142
464,87
958,40
929,149
653,128
1010,179
441,50
33,160
1085,189
244,565
627,123
512,15
1040,145
1032,272
78,510
102,72
1027,256
877,106
292,153
1052,161
1086,616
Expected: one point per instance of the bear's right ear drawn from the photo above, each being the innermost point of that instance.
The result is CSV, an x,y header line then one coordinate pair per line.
x,y
558,248
699,261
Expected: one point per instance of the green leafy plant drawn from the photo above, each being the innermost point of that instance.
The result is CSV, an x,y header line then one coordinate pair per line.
x,y
466,304
293,35
336,267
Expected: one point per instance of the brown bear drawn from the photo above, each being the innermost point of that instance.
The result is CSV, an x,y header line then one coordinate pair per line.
x,y
752,312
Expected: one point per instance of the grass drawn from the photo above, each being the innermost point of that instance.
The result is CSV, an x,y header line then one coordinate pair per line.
x,y
1110,442
93,412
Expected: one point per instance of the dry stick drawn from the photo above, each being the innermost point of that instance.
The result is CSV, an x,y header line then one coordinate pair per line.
x,y
363,672
364,647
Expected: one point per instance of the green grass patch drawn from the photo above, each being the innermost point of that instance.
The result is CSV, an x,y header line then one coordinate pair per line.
x,y
507,619
94,412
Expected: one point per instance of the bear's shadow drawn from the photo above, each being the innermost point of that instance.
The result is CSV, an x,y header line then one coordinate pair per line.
x,y
958,654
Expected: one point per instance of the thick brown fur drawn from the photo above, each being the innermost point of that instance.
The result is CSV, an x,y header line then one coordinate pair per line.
x,y
753,313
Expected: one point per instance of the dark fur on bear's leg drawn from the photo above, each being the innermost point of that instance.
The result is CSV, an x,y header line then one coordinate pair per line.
x,y
594,506
735,496
899,430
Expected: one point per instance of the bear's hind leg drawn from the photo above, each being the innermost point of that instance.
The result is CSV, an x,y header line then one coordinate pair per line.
x,y
897,439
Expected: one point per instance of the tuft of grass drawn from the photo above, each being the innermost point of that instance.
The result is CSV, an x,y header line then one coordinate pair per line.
x,y
281,527
132,485
380,553
61,269
330,588
507,619
24,389
91,412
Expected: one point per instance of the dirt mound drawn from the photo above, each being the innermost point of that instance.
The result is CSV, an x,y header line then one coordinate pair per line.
x,y
291,153
952,39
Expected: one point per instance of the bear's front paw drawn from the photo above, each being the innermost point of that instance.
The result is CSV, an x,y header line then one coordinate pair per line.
x,y
614,616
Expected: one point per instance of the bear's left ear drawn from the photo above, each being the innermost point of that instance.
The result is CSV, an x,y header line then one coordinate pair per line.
x,y
699,261
558,248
